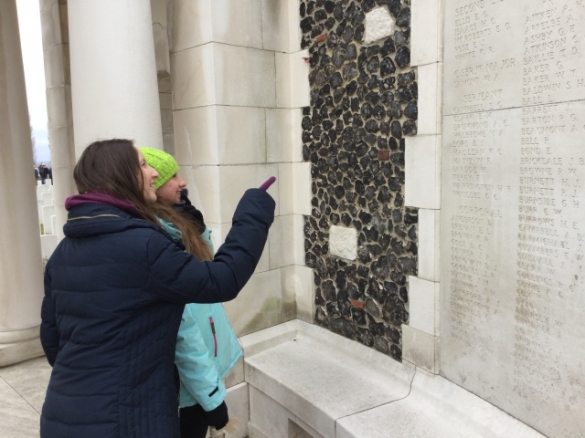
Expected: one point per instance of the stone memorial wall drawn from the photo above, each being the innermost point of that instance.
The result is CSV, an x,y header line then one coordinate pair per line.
x,y
513,208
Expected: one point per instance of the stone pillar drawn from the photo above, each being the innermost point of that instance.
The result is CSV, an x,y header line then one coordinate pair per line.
x,y
113,73
21,286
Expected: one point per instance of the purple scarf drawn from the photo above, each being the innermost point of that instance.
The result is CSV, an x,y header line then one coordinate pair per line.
x,y
100,197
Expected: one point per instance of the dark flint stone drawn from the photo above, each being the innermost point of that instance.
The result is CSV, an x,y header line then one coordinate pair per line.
x,y
361,150
371,234
347,116
321,15
375,250
403,294
306,110
351,87
359,187
338,11
306,124
329,6
409,127
332,41
302,10
403,19
307,24
362,78
310,7
411,110
387,98
395,111
341,282
310,260
396,129
381,345
374,82
355,104
397,215
339,192
385,241
343,327
333,309
364,336
372,308
402,57
396,352
388,47
339,126
305,153
349,12
402,144
330,23
397,158
373,97
364,256
317,30
358,316
338,57
413,89
393,144
402,38
370,191
372,126
373,65
338,95
349,71
350,196
388,83
387,67
347,34
399,200
321,78
393,7
323,222
406,78
366,110
358,225
382,141
346,219
321,317
368,5
408,265
359,33
385,128
392,334
361,239
412,248
351,52
358,19
381,267
316,132
379,112
384,196
412,233
370,139
327,125
403,94
315,201
379,180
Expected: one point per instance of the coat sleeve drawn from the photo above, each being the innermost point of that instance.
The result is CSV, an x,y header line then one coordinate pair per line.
x,y
198,372
49,330
179,277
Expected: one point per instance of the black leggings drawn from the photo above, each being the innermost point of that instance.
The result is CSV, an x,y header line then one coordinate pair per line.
x,y
193,422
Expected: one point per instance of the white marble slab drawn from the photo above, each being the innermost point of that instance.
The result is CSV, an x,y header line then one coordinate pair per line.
x,y
513,208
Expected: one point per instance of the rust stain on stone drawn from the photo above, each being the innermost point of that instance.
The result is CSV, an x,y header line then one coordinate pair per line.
x,y
320,38
357,303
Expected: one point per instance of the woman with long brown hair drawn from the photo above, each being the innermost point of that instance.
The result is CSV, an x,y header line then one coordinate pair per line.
x,y
115,290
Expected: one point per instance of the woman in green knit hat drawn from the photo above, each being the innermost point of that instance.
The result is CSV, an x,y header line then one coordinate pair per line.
x,y
207,347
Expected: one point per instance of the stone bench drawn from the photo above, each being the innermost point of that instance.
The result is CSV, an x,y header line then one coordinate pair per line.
x,y
305,381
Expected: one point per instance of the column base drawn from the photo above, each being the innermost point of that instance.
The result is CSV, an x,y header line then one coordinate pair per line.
x,y
20,351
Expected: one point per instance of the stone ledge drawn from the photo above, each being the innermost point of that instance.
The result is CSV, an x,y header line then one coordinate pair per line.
x,y
19,352
342,389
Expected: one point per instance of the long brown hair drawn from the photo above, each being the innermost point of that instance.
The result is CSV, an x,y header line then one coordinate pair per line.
x,y
112,166
194,243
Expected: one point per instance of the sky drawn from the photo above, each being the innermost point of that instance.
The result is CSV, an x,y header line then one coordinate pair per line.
x,y
29,21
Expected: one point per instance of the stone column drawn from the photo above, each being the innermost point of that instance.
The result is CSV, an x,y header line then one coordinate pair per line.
x,y
21,286
113,73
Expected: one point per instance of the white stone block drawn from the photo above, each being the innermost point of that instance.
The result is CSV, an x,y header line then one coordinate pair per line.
x,y
267,416
343,242
219,233
220,135
204,190
422,156
262,340
244,77
51,26
283,135
54,61
429,99
379,24
259,305
237,400
192,24
292,80
280,25
236,374
286,241
298,280
295,188
426,38
193,77
58,101
159,31
418,348
429,244
422,301
48,212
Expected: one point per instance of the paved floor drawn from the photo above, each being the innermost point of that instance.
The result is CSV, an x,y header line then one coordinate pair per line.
x,y
22,392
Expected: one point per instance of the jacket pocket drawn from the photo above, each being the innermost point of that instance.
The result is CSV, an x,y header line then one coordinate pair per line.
x,y
212,324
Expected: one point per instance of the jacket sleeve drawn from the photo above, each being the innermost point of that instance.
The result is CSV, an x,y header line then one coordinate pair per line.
x,y
180,278
198,372
49,330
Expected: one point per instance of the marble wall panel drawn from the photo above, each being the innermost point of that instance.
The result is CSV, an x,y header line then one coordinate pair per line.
x,y
512,298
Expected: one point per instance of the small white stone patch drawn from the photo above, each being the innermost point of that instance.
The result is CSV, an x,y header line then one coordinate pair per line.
x,y
379,24
343,242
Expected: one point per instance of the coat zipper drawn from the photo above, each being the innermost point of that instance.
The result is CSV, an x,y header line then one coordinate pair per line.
x,y
213,332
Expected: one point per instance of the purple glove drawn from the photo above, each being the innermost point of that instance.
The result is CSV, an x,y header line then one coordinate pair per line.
x,y
267,183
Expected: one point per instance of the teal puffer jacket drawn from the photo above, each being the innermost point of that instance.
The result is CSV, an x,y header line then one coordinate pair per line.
x,y
207,348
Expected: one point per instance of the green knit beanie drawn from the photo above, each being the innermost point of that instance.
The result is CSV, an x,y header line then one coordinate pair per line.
x,y
163,163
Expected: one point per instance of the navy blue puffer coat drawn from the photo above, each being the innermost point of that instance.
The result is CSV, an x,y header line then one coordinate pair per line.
x,y
115,289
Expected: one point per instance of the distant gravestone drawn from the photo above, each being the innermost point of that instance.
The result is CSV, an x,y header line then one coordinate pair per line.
x,y
513,208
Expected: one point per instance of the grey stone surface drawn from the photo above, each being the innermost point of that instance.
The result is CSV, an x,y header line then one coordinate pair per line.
x,y
513,208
